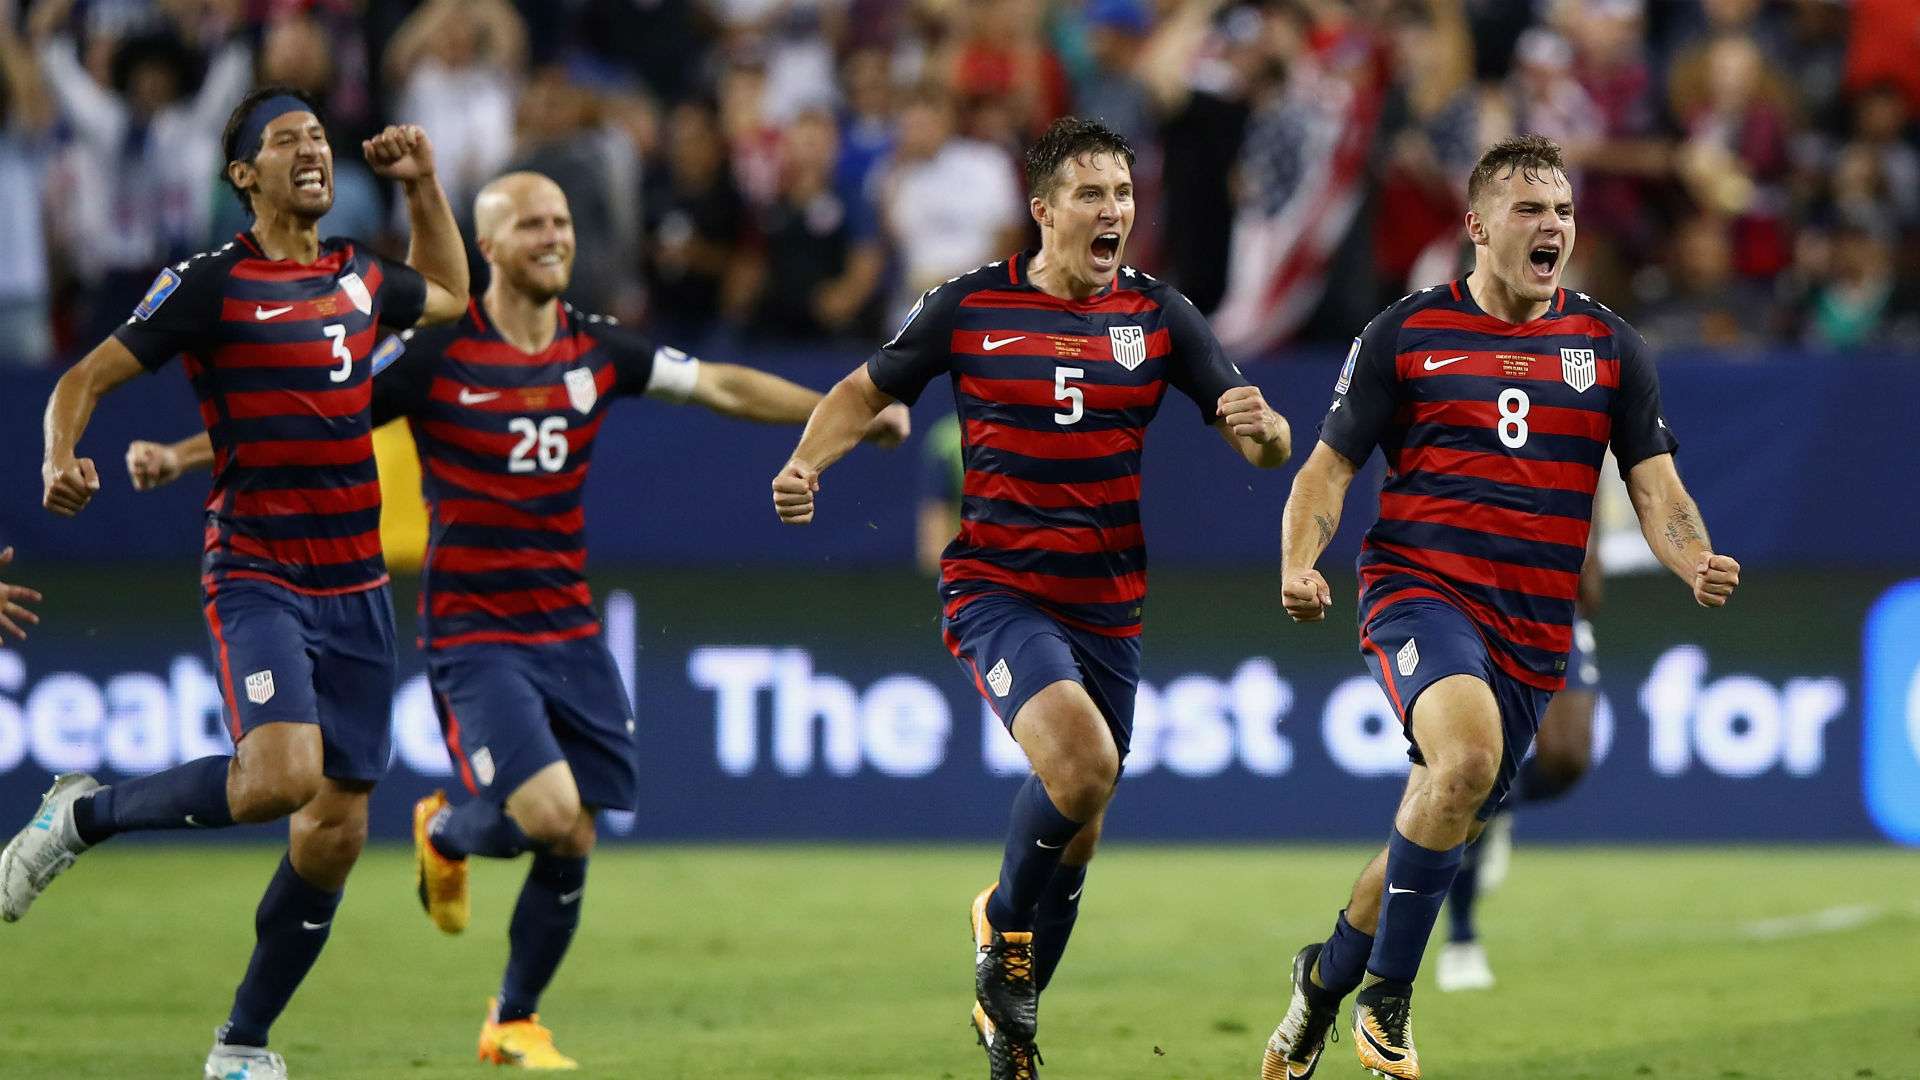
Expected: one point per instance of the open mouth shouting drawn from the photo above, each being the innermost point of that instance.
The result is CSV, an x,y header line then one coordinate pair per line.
x,y
310,181
1106,250
1545,260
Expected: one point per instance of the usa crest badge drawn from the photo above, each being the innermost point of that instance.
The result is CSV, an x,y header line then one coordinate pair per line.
x,y
1577,367
582,390
260,687
356,291
1129,345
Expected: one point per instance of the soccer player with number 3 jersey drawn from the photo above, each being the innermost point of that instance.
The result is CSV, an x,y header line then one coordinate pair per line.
x,y
1059,359
1494,400
505,405
278,331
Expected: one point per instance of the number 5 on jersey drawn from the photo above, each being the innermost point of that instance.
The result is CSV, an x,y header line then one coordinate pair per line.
x,y
546,442
1075,397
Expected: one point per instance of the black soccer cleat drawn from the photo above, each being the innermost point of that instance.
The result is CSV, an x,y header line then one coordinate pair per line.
x,y
1007,1059
1003,975
1383,1033
1293,1052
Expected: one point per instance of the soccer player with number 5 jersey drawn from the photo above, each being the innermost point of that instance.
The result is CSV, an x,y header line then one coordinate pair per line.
x,y
1494,399
1059,359
278,331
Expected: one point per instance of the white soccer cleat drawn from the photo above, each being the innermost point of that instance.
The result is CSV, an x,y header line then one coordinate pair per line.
x,y
1496,853
48,845
226,1062
1463,966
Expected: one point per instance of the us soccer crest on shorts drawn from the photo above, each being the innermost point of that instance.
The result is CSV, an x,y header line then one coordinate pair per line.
x,y
260,687
1409,658
1000,678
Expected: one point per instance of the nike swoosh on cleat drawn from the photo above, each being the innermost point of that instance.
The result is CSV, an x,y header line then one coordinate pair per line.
x,y
1431,366
263,314
987,342
1379,1047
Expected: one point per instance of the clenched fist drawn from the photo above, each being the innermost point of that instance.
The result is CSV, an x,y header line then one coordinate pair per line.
x,y
151,465
793,492
1305,594
1714,578
69,486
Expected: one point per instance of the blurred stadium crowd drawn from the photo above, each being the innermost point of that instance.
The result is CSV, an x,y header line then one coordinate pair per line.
x,y
792,171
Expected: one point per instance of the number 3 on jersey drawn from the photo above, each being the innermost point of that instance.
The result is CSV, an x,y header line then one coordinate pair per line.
x,y
337,333
546,442
1514,405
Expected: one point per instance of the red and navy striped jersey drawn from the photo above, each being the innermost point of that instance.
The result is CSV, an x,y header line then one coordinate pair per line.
x,y
281,355
505,439
1054,397
1494,434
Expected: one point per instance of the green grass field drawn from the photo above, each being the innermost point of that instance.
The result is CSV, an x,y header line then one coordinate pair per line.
x,y
840,962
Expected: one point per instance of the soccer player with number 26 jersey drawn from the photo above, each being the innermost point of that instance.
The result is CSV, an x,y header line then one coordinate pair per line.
x,y
1494,399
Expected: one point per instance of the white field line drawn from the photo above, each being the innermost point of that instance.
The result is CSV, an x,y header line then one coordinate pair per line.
x,y
1831,920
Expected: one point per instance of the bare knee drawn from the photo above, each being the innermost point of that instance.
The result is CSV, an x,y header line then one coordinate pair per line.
x,y
1081,784
268,786
553,820
578,842
1465,777
328,834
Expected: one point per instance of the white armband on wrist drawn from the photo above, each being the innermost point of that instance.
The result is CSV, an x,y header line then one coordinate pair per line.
x,y
674,375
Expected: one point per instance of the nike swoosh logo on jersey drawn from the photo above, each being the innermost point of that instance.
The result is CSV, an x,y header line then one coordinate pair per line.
x,y
1431,366
989,344
263,314
468,397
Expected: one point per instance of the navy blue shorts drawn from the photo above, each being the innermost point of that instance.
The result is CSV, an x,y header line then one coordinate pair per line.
x,y
1011,649
1412,644
509,711
290,657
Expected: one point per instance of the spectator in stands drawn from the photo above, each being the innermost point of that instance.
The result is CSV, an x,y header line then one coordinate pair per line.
x,y
820,274
1620,170
1879,134
26,120
1705,303
557,134
456,66
1861,304
695,228
1000,53
138,187
866,123
1111,89
1734,159
753,139
1431,132
795,39
948,204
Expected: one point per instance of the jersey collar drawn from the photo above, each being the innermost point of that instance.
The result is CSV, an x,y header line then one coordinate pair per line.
x,y
1017,275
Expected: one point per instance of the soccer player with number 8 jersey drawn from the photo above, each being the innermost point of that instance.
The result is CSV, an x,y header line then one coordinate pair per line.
x,y
1494,399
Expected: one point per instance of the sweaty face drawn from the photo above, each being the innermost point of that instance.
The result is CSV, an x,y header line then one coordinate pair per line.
x,y
293,173
1085,222
1528,222
532,246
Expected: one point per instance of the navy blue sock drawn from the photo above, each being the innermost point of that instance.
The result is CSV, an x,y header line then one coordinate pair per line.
x,y
1343,959
1036,836
1417,883
543,924
190,796
1053,922
478,827
291,927
1461,898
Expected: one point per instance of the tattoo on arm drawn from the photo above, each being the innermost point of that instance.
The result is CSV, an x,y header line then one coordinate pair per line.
x,y
1325,524
1683,526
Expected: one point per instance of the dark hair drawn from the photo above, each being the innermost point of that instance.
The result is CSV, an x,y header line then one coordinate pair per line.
x,y
230,138
1069,139
1532,155
160,48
